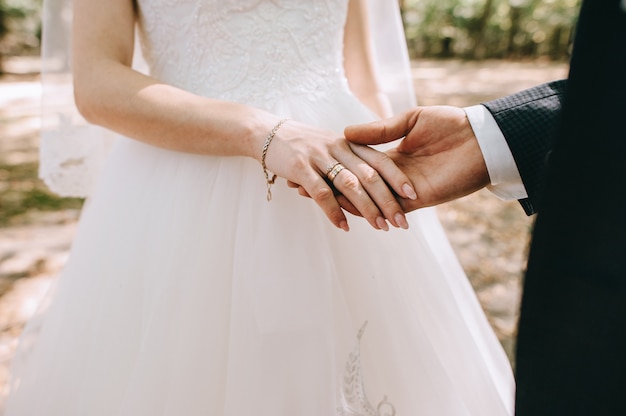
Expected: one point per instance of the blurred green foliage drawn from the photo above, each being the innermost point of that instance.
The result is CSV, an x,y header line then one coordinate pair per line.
x,y
21,193
20,26
471,29
476,29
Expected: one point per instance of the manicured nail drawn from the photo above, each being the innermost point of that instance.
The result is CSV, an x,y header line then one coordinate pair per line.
x,y
382,224
344,225
409,191
401,221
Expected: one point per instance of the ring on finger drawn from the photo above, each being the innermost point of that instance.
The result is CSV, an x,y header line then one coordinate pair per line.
x,y
331,166
334,170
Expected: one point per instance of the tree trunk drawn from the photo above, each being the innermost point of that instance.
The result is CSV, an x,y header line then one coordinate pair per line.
x,y
515,15
481,30
3,30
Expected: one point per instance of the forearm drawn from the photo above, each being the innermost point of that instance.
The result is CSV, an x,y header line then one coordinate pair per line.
x,y
111,94
116,97
359,62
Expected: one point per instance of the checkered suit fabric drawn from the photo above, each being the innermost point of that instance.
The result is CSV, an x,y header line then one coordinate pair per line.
x,y
529,121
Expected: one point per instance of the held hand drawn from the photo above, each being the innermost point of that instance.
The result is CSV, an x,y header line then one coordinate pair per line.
x,y
439,153
303,154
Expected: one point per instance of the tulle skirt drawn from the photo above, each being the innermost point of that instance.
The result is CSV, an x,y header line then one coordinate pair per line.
x,y
187,293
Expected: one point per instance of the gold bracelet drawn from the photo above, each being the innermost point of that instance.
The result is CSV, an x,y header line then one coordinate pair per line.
x,y
266,145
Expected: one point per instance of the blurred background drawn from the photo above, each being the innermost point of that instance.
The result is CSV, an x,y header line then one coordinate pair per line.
x,y
482,29
466,29
463,52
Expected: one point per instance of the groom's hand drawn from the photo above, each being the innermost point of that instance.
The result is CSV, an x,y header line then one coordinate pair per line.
x,y
439,153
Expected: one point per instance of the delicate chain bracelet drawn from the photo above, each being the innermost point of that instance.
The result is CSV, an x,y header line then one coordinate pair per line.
x,y
266,145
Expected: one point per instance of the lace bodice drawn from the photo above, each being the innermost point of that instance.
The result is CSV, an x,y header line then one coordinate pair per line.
x,y
271,54
250,51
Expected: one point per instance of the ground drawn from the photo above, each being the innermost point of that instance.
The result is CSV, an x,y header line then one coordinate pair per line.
x,y
489,236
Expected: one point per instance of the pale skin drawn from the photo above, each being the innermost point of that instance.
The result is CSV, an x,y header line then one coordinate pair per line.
x,y
439,153
359,62
110,93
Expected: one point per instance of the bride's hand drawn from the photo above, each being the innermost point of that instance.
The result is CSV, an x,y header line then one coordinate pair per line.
x,y
303,155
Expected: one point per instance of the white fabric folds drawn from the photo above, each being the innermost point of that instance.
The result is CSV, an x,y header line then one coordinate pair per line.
x,y
187,293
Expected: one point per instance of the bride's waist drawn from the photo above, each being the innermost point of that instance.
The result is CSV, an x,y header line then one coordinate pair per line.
x,y
266,92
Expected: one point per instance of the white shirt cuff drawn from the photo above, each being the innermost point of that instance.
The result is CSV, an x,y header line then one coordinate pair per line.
x,y
506,182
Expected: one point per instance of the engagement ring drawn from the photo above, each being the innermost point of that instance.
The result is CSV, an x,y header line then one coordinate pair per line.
x,y
333,171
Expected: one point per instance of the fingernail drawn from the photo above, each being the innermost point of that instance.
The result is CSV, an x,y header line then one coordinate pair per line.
x,y
344,225
401,221
409,191
382,224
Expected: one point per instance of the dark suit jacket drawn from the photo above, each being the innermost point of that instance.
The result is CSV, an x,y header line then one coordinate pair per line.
x,y
529,121
571,354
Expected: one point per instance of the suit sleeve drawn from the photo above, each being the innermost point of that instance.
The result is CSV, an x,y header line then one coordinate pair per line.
x,y
529,121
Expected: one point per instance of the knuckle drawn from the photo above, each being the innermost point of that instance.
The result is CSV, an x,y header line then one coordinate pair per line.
x,y
383,161
389,205
322,193
298,163
340,143
383,131
350,182
336,215
370,177
383,158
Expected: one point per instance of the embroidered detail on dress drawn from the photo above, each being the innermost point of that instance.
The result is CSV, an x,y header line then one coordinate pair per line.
x,y
256,52
353,400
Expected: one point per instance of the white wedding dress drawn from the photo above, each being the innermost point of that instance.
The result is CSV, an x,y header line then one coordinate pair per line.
x,y
187,293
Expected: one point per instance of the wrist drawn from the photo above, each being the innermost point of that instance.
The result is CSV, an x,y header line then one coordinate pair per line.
x,y
497,156
255,128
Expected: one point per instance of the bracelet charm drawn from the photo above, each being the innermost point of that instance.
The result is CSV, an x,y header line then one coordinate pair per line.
x,y
266,145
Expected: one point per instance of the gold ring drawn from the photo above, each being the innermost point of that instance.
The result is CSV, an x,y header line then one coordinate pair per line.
x,y
331,167
334,170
